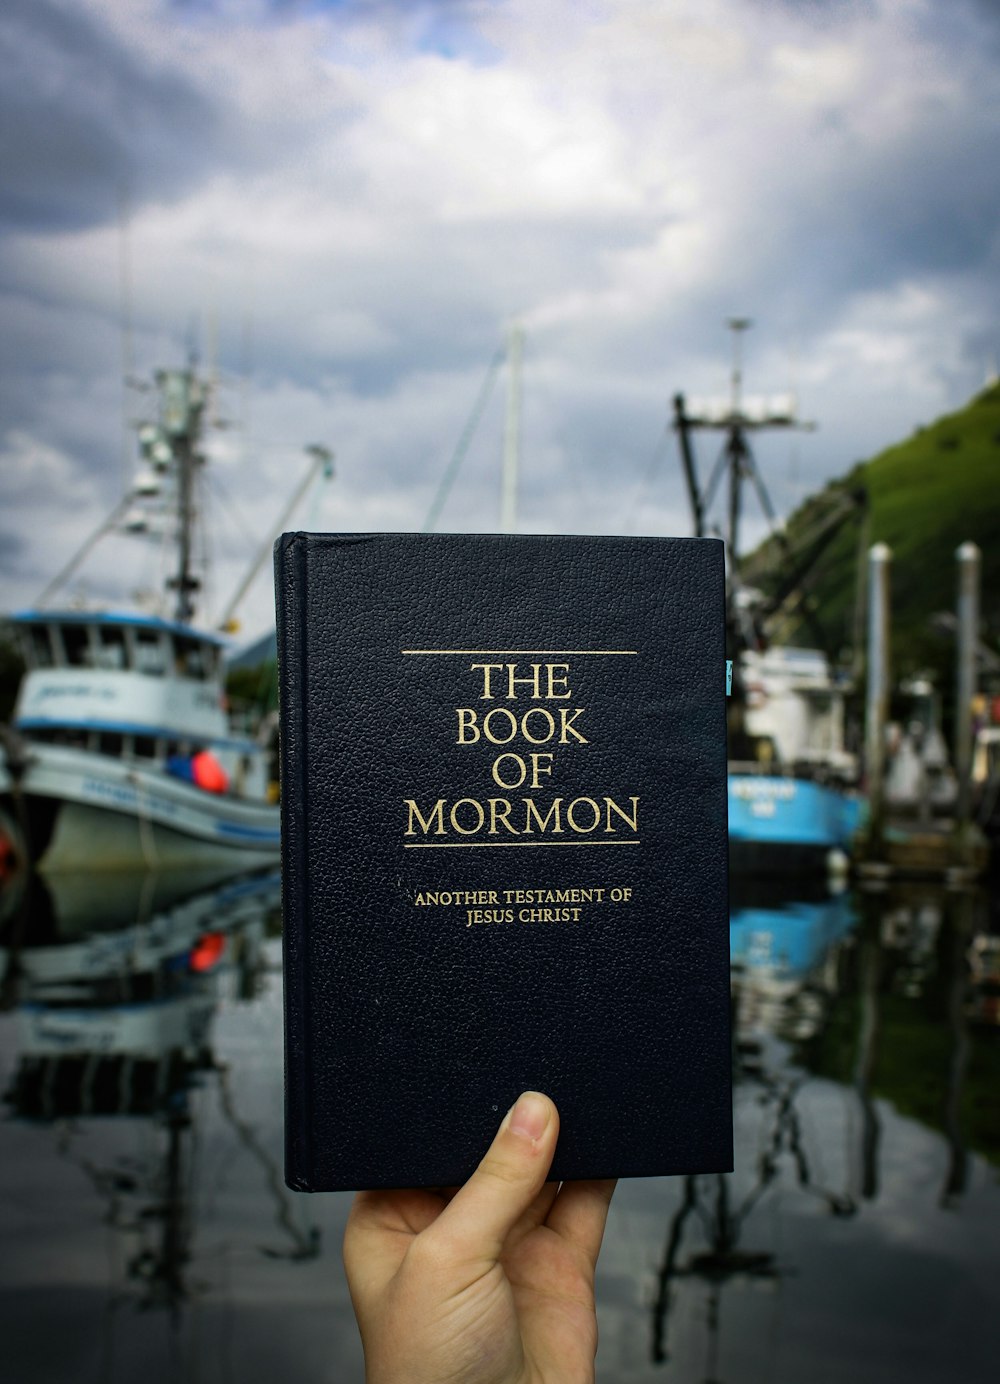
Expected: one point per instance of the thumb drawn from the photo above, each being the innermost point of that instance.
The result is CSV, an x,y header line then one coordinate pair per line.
x,y
481,1215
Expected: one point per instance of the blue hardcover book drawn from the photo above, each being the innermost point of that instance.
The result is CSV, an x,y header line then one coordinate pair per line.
x,y
503,792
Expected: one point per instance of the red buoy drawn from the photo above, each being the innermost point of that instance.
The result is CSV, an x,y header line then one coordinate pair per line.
x,y
209,773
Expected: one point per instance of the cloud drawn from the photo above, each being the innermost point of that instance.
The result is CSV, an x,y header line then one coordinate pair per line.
x,y
354,201
13,547
83,116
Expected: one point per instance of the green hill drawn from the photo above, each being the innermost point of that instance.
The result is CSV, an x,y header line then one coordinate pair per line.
x,y
926,496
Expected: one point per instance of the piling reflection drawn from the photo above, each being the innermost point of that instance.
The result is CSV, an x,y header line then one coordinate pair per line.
x,y
889,996
913,995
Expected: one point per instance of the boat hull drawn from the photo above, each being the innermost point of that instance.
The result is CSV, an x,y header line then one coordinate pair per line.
x,y
93,812
783,822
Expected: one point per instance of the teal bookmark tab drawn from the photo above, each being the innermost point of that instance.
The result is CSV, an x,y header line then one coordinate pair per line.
x,y
729,677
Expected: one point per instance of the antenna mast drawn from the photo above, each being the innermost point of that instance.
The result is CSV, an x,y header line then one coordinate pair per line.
x,y
736,462
512,432
182,405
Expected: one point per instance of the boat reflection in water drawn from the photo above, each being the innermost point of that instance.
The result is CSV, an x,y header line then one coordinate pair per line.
x,y
117,990
781,950
145,1230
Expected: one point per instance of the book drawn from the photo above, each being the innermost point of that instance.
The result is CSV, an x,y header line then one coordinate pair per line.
x,y
504,852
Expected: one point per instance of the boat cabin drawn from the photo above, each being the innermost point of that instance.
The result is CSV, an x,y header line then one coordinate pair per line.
x,y
796,705
118,643
129,686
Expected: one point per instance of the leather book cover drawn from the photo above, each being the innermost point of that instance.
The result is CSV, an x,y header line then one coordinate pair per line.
x,y
504,837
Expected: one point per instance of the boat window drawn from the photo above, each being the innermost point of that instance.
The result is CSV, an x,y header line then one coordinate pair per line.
x,y
150,653
71,737
76,643
36,646
111,647
145,747
111,744
193,659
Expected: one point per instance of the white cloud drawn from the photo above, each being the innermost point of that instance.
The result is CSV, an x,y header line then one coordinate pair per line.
x,y
365,216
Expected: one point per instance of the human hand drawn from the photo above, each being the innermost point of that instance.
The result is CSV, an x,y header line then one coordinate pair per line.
x,y
493,1285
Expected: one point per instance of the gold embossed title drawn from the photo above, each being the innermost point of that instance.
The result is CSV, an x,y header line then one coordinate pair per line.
x,y
525,744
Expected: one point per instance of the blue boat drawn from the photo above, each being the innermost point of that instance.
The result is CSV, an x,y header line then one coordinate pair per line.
x,y
812,823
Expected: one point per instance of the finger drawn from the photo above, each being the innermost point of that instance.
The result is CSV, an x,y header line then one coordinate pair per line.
x,y
480,1216
580,1213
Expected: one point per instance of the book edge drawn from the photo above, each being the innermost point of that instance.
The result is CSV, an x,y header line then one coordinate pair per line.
x,y
290,576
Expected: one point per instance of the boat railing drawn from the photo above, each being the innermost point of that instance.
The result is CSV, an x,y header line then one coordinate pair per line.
x,y
819,770
771,768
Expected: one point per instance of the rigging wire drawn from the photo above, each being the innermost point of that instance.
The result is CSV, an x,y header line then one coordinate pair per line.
x,y
226,512
231,508
248,342
64,573
166,550
315,504
127,328
201,501
584,501
464,441
718,471
639,490
795,474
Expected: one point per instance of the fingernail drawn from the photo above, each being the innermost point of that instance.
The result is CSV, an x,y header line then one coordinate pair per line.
x,y
531,1115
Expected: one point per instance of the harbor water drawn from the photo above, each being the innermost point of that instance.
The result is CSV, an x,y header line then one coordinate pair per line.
x,y
146,1232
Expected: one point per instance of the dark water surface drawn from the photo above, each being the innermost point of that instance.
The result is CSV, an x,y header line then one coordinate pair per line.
x,y
146,1234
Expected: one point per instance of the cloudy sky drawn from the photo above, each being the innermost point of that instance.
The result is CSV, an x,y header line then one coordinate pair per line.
x,y
343,207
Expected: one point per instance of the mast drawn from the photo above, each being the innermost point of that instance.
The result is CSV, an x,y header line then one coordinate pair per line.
x,y
512,432
687,457
739,453
172,444
736,462
171,450
182,405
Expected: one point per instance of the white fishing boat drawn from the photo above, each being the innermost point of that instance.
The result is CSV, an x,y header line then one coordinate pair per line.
x,y
113,719
121,754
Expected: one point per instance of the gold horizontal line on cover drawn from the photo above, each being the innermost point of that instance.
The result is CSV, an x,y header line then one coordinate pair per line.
x,y
517,845
622,653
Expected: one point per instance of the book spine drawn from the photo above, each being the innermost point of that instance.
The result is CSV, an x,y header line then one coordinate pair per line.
x,y
290,578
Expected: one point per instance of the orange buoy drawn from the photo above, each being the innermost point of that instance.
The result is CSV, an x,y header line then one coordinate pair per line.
x,y
208,773
207,952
